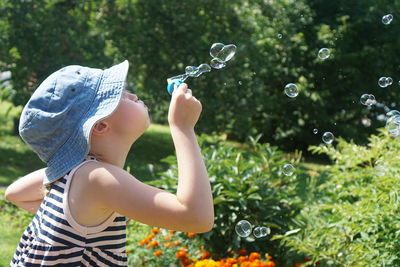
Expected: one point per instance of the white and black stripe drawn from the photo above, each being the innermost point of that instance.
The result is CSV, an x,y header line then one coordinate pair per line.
x,y
53,238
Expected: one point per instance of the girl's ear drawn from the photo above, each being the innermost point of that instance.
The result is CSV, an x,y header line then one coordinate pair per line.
x,y
100,128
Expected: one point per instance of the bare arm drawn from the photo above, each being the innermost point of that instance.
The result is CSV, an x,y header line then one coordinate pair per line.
x,y
191,209
26,192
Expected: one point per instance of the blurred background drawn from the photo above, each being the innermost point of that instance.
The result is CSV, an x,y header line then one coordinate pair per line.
x,y
277,43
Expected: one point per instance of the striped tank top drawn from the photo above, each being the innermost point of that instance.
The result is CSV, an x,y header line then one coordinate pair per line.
x,y
54,238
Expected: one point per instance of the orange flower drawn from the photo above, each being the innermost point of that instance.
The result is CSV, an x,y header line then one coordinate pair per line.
x,y
205,255
150,236
231,252
253,256
242,259
232,260
157,253
191,234
167,237
143,242
155,230
268,257
180,254
185,261
153,244
242,252
270,264
176,242
167,244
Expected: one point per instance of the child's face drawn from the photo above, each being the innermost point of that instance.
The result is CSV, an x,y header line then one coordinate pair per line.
x,y
131,117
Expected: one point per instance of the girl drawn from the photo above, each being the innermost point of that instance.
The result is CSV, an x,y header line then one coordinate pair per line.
x,y
82,123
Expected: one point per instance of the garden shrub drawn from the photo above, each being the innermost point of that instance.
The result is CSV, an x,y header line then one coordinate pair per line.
x,y
247,183
356,220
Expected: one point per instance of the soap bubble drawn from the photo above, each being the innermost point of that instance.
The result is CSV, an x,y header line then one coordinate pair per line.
x,y
328,137
217,63
315,131
257,232
367,99
389,80
291,90
227,52
190,70
201,69
387,19
393,125
324,53
265,231
288,169
382,82
279,35
240,82
393,112
243,228
215,49
204,68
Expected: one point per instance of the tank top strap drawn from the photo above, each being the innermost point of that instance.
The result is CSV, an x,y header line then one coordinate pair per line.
x,y
67,212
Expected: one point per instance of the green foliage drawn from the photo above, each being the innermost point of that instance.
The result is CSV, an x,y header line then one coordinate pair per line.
x,y
248,184
43,36
161,37
356,220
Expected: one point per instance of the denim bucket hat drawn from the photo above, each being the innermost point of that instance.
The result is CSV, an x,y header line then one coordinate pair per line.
x,y
58,118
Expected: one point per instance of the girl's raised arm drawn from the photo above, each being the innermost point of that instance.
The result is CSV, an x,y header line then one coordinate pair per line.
x,y
27,192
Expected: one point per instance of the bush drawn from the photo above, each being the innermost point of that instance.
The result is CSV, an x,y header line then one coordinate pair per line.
x,y
355,221
247,184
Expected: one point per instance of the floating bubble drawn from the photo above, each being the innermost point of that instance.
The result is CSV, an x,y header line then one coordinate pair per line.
x,y
366,122
328,137
279,36
240,82
265,231
217,63
324,53
393,112
190,70
382,82
288,169
227,52
204,68
315,131
387,19
257,232
215,49
243,228
201,69
291,90
367,99
393,125
389,80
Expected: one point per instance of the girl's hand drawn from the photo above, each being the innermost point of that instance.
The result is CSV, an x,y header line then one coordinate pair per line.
x,y
184,109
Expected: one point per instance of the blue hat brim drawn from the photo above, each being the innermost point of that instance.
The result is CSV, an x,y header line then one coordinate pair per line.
x,y
76,148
